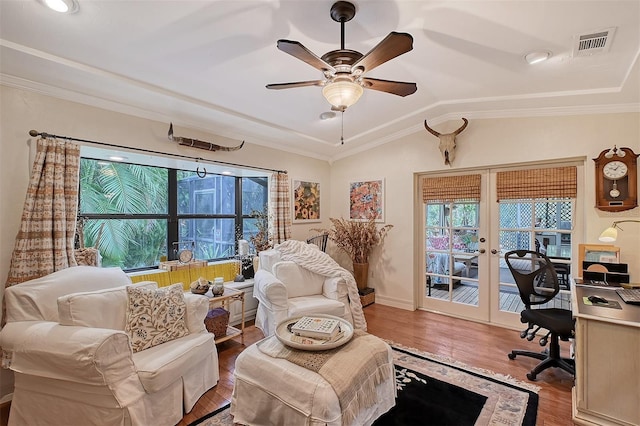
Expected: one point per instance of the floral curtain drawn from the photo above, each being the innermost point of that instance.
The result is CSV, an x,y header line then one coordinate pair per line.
x,y
280,207
44,243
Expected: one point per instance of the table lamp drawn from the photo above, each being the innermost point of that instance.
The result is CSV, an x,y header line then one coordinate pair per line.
x,y
610,234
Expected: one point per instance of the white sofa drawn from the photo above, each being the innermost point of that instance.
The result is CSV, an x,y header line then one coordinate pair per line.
x,y
285,289
74,364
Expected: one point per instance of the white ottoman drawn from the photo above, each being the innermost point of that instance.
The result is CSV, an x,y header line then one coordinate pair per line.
x,y
274,391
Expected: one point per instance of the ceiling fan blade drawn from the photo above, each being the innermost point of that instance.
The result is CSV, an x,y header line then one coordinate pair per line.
x,y
278,86
395,44
296,49
399,88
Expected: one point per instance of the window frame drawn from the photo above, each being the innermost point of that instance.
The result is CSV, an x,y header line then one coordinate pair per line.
x,y
173,218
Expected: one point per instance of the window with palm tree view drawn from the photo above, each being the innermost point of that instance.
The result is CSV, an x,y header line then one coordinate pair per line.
x,y
139,215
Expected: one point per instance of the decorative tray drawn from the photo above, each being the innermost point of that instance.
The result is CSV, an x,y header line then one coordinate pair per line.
x,y
284,334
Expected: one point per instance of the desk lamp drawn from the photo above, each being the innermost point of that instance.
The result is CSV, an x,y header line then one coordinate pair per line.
x,y
610,234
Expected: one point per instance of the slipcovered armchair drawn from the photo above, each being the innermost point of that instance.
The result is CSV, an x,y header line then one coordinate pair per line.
x,y
76,344
287,288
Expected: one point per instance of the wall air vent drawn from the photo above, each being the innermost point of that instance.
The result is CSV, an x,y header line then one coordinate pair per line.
x,y
593,43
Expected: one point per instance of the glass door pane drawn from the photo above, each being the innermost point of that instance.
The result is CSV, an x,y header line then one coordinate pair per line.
x,y
542,225
451,253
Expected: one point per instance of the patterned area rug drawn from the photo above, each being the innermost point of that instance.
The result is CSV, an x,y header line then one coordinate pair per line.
x,y
433,390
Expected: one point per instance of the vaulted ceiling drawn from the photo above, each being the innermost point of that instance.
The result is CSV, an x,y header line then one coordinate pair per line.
x,y
205,64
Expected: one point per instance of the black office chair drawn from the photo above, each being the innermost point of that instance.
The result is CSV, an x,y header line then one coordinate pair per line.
x,y
562,269
537,283
320,241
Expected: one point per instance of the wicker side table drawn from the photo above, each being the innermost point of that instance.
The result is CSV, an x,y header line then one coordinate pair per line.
x,y
229,296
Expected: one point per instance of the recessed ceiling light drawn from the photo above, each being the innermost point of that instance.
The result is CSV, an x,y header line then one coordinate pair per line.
x,y
117,158
537,56
62,6
327,115
226,172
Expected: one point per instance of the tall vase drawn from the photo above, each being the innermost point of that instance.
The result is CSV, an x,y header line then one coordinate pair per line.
x,y
361,274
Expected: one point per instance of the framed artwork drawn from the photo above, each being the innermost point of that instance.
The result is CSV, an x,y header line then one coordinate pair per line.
x,y
306,201
366,198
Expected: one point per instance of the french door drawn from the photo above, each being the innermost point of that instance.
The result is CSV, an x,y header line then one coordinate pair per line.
x,y
464,241
454,241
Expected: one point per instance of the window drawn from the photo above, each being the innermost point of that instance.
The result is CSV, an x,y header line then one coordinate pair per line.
x,y
537,213
452,225
536,210
451,234
540,224
139,215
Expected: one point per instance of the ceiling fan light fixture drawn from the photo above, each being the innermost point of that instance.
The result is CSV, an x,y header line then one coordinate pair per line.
x,y
537,56
341,94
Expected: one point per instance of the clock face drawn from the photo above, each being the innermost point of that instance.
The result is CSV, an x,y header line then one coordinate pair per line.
x,y
616,188
185,256
615,170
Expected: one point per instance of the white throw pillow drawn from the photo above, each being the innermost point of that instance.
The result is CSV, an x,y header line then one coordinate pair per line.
x,y
102,308
268,258
299,281
155,316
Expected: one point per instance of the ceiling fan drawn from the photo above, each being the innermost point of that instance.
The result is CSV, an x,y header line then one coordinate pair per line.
x,y
344,69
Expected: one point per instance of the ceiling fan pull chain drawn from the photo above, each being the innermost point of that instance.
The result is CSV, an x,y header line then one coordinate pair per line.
x,y
342,129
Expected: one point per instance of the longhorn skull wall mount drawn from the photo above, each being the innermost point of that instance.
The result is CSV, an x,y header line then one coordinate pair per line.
x,y
195,143
447,141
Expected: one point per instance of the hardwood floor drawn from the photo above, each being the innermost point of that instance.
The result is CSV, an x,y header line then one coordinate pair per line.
x,y
475,344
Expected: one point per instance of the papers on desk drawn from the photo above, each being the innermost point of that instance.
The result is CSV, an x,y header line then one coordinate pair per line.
x,y
596,283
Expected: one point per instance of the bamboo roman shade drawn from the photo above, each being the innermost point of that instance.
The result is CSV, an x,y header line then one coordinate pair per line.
x,y
451,188
554,182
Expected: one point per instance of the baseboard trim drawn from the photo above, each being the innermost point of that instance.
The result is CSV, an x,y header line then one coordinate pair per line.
x,y
395,303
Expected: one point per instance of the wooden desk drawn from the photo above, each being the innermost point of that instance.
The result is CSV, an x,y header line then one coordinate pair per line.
x,y
607,356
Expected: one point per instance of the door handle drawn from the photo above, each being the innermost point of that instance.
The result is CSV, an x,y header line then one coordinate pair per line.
x,y
494,251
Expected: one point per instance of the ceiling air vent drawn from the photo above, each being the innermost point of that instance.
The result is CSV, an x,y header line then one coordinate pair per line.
x,y
593,43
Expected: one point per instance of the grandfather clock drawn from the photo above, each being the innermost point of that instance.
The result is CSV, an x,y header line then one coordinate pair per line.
x,y
616,180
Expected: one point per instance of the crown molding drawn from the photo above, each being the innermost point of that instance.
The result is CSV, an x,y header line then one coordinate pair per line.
x,y
108,104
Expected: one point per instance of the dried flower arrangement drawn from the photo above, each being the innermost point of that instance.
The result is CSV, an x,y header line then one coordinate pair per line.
x,y
261,240
356,238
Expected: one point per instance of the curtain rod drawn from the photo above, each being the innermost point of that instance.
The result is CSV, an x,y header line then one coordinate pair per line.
x,y
35,133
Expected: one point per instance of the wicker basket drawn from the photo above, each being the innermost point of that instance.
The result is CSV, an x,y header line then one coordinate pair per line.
x,y
367,296
217,321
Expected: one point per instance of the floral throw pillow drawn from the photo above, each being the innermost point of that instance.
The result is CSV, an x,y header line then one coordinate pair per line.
x,y
155,316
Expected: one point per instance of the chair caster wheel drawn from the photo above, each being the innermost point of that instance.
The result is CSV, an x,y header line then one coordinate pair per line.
x,y
511,356
531,377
